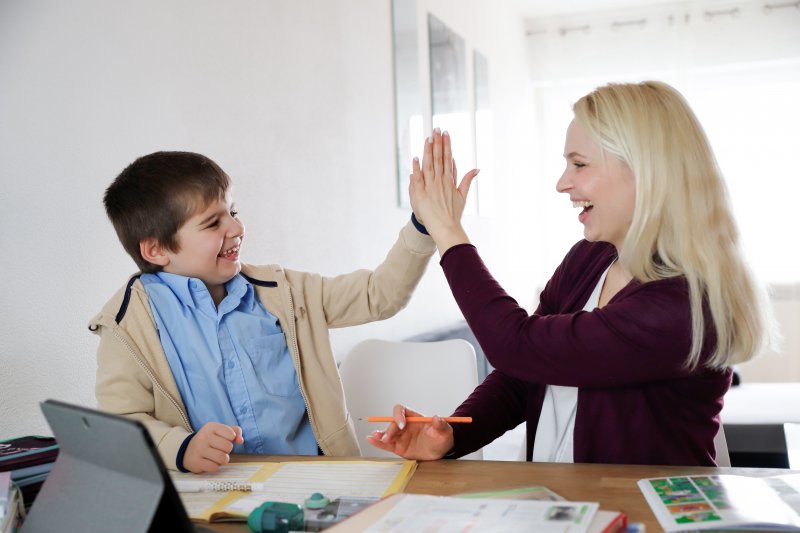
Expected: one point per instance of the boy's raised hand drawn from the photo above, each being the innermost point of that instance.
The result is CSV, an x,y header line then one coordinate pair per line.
x,y
210,447
420,441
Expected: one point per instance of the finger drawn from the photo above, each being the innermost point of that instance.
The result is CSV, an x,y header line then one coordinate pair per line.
x,y
438,169
466,181
447,159
220,443
239,438
377,439
427,160
204,465
216,456
399,414
455,173
415,178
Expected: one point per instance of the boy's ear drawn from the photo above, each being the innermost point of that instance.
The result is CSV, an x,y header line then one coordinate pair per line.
x,y
153,252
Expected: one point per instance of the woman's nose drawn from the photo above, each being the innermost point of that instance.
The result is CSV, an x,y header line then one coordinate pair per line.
x,y
563,184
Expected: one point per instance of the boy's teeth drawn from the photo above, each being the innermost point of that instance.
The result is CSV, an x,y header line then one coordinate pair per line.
x,y
582,204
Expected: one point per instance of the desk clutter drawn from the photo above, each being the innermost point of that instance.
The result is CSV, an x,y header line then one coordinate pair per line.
x,y
366,496
241,488
24,465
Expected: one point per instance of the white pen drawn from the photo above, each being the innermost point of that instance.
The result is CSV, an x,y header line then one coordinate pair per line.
x,y
206,485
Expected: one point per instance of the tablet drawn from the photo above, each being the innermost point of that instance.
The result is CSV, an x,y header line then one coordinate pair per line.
x,y
108,477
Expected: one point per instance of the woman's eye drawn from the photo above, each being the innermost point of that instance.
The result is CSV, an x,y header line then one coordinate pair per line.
x,y
578,165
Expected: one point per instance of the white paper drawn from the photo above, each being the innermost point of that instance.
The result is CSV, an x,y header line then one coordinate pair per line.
x,y
442,514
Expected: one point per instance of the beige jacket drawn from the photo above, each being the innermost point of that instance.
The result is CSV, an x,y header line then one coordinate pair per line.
x,y
134,377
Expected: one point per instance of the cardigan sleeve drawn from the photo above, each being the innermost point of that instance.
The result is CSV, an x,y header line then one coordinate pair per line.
x,y
643,334
496,405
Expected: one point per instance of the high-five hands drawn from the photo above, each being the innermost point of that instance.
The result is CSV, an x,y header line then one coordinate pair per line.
x,y
421,441
436,200
211,447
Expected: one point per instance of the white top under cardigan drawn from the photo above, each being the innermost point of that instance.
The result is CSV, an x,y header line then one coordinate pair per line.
x,y
553,443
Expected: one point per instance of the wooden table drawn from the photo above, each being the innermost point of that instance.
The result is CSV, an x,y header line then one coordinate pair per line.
x,y
613,486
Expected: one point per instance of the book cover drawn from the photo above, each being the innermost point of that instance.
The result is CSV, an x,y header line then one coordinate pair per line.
x,y
690,503
27,451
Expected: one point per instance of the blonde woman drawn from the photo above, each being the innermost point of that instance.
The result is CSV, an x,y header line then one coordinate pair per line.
x,y
629,354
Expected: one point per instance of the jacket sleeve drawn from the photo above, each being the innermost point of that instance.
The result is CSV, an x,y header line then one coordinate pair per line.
x,y
368,295
124,388
642,335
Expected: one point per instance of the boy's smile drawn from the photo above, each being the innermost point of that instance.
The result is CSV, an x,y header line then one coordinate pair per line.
x,y
208,247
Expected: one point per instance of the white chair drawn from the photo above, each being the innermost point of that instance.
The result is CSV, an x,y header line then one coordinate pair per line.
x,y
791,431
432,378
721,444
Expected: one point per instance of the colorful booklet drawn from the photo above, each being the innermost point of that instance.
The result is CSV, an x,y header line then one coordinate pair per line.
x,y
691,503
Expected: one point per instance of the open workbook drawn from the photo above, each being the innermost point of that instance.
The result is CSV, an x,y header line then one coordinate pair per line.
x,y
291,482
730,502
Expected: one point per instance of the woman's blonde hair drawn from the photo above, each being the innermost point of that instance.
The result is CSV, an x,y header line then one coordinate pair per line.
x,y
682,223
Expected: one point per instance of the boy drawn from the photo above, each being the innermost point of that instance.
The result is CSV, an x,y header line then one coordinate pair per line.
x,y
215,356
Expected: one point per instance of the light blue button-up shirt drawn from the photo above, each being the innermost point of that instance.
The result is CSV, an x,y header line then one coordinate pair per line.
x,y
231,364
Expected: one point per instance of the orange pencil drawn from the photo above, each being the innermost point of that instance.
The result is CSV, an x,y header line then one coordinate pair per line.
x,y
449,419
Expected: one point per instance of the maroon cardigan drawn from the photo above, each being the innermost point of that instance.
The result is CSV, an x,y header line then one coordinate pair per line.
x,y
637,402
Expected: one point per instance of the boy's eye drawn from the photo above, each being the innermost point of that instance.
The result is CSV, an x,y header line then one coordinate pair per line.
x,y
234,212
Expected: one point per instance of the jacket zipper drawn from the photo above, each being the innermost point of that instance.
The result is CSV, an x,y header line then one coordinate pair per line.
x,y
296,359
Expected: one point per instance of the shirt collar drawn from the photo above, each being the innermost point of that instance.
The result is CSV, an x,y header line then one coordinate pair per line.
x,y
190,291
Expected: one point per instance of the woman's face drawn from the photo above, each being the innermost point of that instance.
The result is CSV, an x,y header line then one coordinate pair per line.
x,y
599,184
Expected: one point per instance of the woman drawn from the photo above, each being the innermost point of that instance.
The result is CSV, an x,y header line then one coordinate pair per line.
x,y
629,354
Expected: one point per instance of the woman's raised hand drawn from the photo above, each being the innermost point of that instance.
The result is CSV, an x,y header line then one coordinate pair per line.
x,y
423,441
436,200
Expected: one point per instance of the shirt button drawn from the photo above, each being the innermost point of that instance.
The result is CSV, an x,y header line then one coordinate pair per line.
x,y
231,364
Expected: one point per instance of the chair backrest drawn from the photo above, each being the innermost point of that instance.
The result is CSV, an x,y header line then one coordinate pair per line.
x,y
721,444
791,431
432,378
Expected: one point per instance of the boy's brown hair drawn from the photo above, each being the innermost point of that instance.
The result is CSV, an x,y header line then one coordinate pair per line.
x,y
156,194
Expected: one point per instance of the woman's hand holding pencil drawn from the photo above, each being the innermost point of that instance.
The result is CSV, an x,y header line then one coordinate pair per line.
x,y
413,436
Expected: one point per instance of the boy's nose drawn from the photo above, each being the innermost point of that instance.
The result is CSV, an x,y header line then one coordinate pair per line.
x,y
236,228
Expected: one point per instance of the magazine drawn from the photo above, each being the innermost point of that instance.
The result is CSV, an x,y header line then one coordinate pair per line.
x,y
690,503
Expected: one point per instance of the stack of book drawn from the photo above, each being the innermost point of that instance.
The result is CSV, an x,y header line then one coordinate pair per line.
x,y
29,459
12,511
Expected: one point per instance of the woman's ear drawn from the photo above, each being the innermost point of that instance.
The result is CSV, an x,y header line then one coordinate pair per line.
x,y
153,252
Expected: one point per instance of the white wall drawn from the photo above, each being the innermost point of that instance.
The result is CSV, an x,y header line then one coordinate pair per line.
x,y
293,98
738,64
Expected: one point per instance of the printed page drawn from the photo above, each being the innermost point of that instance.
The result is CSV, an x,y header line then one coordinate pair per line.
x,y
441,514
684,503
293,482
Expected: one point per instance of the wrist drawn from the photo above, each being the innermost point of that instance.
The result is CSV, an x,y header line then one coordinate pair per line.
x,y
419,225
449,237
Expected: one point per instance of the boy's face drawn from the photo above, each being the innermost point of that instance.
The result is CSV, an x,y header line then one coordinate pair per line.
x,y
208,246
